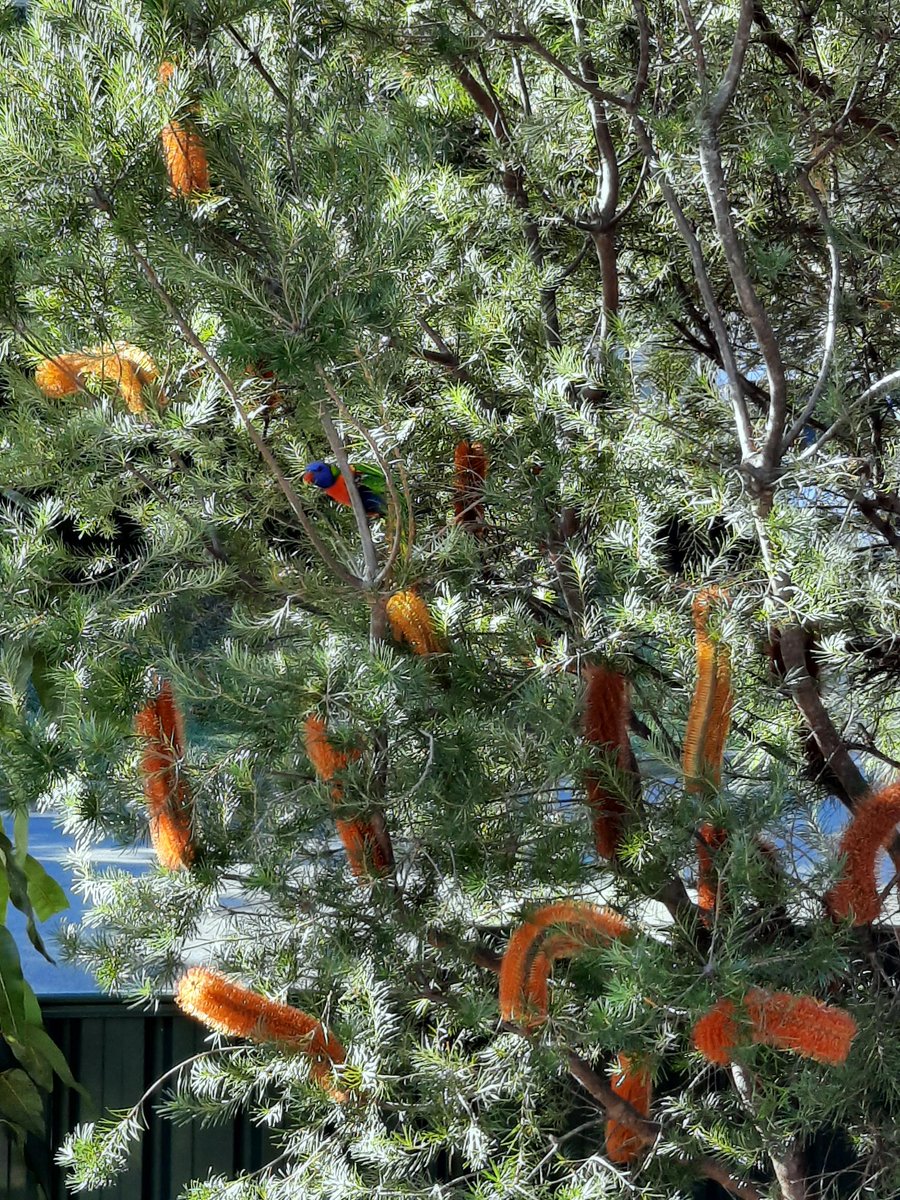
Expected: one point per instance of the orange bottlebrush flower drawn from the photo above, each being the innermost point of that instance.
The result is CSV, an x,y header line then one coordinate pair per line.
x,y
365,854
228,1008
411,623
168,797
710,714
127,366
470,461
874,821
802,1024
632,1084
326,760
57,377
710,839
185,158
529,955
606,713
166,71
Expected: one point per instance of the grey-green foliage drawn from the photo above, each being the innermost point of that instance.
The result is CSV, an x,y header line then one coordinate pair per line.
x,y
413,200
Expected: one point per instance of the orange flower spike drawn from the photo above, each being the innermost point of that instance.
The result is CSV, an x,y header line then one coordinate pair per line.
x,y
606,713
237,1011
470,462
874,820
710,712
717,1033
801,1024
411,623
183,150
185,158
710,840
326,760
633,1085
57,377
168,798
364,852
522,972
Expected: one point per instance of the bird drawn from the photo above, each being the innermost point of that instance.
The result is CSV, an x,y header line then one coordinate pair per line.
x,y
370,483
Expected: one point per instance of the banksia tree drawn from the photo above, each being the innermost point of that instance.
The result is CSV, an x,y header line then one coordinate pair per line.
x,y
650,257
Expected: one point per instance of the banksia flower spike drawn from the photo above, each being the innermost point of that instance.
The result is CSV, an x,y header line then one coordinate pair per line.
x,y
631,1083
237,1011
411,623
874,821
366,853
555,931
606,713
168,798
709,841
471,465
183,151
127,366
710,713
800,1024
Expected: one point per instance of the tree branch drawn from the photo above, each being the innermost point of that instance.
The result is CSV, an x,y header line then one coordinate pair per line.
x,y
831,322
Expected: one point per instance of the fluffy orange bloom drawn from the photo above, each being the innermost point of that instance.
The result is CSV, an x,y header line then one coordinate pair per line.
x,y
632,1084
798,1023
470,461
183,150
710,714
185,158
411,623
533,947
325,758
709,841
606,713
168,798
874,821
365,853
127,366
237,1011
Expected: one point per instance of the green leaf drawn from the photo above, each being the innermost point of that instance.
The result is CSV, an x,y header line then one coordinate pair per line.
x,y
20,1101
18,893
20,836
36,1039
45,894
12,987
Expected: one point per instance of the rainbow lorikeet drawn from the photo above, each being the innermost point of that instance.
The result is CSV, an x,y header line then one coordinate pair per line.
x,y
370,484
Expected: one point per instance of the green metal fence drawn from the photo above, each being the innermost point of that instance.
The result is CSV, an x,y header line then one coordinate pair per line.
x,y
116,1053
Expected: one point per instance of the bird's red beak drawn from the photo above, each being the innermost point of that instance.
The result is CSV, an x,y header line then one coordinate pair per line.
x,y
307,478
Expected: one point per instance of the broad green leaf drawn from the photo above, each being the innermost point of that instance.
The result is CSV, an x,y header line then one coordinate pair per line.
x,y
20,1101
39,1040
12,987
45,894
18,893
20,836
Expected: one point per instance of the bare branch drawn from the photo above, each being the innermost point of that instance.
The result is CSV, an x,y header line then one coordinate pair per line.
x,y
717,321
831,321
728,86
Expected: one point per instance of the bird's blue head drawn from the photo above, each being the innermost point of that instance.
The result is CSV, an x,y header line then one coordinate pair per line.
x,y
320,474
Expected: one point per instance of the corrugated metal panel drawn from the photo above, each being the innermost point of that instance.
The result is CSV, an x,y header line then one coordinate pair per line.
x,y
116,1053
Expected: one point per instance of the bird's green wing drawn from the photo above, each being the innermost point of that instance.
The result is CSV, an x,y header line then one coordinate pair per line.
x,y
371,478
